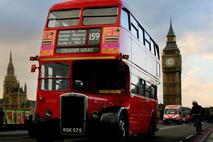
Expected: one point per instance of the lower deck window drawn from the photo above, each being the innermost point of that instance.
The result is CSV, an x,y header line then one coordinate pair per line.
x,y
54,84
54,76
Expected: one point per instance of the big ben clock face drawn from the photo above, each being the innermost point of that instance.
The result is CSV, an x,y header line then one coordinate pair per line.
x,y
170,62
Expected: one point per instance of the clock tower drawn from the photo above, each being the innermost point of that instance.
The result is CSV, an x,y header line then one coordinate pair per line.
x,y
172,67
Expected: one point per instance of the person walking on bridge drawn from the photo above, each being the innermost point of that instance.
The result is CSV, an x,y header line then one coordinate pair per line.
x,y
1,117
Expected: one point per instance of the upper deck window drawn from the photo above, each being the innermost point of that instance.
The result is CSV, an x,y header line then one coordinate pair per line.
x,y
134,26
64,18
147,41
97,16
125,19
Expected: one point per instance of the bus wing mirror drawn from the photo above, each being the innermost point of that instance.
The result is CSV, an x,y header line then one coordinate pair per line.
x,y
33,68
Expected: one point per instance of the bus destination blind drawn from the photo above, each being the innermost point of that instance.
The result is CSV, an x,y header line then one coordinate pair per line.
x,y
75,41
72,38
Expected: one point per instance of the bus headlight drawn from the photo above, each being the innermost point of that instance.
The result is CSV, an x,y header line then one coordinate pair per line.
x,y
95,115
48,113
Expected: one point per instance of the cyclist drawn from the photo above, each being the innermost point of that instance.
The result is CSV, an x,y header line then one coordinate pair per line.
x,y
197,112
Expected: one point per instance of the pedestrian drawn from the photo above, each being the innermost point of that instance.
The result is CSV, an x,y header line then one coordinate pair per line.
x,y
1,117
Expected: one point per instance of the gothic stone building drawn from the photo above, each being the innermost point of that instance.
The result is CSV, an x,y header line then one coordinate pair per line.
x,y
14,96
172,66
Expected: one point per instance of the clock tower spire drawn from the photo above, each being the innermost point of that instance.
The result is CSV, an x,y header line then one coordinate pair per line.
x,y
171,38
171,31
172,67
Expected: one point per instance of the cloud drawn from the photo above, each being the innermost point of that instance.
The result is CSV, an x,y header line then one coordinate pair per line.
x,y
196,43
196,88
209,56
200,92
191,79
21,28
23,19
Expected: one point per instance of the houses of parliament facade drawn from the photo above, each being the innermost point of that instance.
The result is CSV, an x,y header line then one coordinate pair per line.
x,y
14,96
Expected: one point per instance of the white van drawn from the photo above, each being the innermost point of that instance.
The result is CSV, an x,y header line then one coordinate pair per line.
x,y
173,114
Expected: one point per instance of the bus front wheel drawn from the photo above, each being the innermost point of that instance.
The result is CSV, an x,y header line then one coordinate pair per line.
x,y
122,128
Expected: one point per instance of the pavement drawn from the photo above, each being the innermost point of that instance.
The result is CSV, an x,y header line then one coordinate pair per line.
x,y
206,136
210,138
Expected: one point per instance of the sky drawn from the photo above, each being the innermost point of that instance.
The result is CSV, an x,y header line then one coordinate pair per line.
x,y
22,22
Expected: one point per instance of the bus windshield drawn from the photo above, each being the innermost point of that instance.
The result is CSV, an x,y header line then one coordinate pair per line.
x,y
54,76
99,77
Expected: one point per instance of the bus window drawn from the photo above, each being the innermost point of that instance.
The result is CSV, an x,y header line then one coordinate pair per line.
x,y
96,16
141,35
158,70
134,88
142,87
54,76
152,47
134,26
134,84
124,19
64,18
148,90
157,51
147,41
153,92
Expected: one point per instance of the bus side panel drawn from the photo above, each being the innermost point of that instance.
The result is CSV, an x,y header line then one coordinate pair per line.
x,y
138,53
125,42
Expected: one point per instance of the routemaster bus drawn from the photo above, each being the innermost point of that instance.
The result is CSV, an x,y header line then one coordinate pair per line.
x,y
98,72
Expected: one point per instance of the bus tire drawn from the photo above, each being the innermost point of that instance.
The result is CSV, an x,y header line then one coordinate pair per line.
x,y
122,128
115,123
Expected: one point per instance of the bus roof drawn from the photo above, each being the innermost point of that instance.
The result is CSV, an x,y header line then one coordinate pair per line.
x,y
84,3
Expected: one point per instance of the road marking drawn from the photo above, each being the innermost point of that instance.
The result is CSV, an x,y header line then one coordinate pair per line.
x,y
9,138
13,132
170,127
188,137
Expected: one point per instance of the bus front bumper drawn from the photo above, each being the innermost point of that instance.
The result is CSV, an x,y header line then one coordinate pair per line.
x,y
41,127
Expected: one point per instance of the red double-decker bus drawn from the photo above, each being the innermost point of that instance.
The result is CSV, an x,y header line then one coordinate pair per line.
x,y
98,72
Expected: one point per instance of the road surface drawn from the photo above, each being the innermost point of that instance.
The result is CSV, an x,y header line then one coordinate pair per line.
x,y
170,133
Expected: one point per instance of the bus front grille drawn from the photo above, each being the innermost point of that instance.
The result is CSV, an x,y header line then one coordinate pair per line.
x,y
73,114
